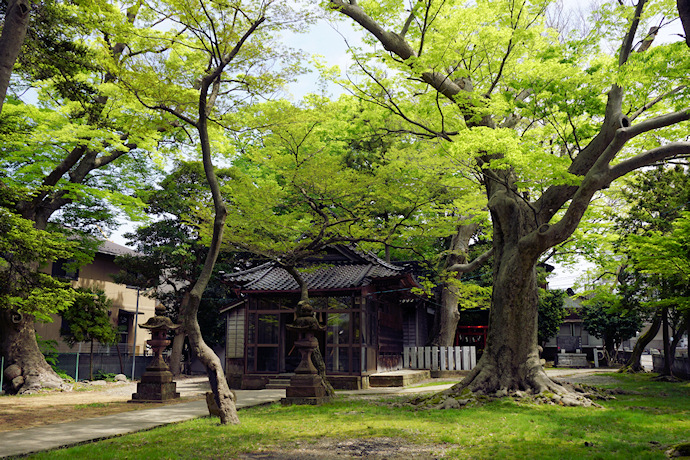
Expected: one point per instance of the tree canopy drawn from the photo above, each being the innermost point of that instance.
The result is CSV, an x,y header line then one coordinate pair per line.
x,y
547,118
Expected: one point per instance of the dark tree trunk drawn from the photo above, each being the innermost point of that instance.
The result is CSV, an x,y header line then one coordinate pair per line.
x,y
609,350
119,357
684,13
667,343
18,345
175,363
633,364
677,335
14,30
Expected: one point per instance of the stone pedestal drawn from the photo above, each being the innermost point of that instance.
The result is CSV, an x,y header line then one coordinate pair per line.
x,y
306,386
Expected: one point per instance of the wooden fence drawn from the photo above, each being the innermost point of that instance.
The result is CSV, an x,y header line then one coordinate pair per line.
x,y
439,358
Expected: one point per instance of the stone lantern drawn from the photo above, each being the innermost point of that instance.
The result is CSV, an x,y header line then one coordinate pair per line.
x,y
157,383
306,386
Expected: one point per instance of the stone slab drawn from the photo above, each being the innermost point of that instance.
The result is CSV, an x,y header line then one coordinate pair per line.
x,y
572,360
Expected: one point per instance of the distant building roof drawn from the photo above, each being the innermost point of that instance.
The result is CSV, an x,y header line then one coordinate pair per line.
x,y
114,249
340,267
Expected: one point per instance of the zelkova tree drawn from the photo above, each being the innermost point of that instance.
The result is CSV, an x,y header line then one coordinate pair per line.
x,y
70,159
548,118
212,60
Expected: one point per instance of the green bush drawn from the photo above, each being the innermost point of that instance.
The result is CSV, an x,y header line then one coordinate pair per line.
x,y
107,376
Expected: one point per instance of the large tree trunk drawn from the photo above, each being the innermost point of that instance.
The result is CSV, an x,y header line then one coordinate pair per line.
x,y
175,361
633,364
510,361
13,34
19,347
511,358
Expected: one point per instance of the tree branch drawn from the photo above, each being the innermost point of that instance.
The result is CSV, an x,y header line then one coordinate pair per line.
x,y
655,101
297,276
674,149
476,263
626,48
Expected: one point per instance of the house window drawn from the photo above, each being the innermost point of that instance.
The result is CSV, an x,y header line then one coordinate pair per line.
x,y
263,341
124,323
235,334
342,333
62,268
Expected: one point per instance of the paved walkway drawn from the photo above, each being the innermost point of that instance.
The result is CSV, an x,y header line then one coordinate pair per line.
x,y
47,437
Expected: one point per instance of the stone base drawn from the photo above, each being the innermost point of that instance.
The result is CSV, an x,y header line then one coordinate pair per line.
x,y
449,374
399,378
306,401
306,389
156,386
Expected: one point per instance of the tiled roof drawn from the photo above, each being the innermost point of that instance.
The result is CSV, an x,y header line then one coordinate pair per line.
x,y
114,249
342,274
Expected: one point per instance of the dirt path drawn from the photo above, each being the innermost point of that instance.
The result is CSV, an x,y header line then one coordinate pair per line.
x,y
85,401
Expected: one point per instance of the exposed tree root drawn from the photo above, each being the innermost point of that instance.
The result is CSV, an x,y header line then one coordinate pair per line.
x,y
484,384
629,369
454,399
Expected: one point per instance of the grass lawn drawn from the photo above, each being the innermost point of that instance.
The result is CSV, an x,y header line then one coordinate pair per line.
x,y
644,422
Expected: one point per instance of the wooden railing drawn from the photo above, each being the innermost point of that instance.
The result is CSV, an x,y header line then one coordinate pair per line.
x,y
439,358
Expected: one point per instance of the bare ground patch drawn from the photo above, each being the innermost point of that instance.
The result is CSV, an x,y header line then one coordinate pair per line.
x,y
370,448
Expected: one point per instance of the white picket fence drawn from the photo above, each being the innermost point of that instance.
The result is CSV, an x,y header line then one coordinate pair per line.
x,y
440,358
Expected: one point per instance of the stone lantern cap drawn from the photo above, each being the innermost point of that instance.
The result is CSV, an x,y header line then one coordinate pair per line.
x,y
159,321
305,322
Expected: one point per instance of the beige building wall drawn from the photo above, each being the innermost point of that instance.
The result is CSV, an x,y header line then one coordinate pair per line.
x,y
98,275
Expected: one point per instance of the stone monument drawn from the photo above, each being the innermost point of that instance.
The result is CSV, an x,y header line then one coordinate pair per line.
x,y
157,383
306,386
